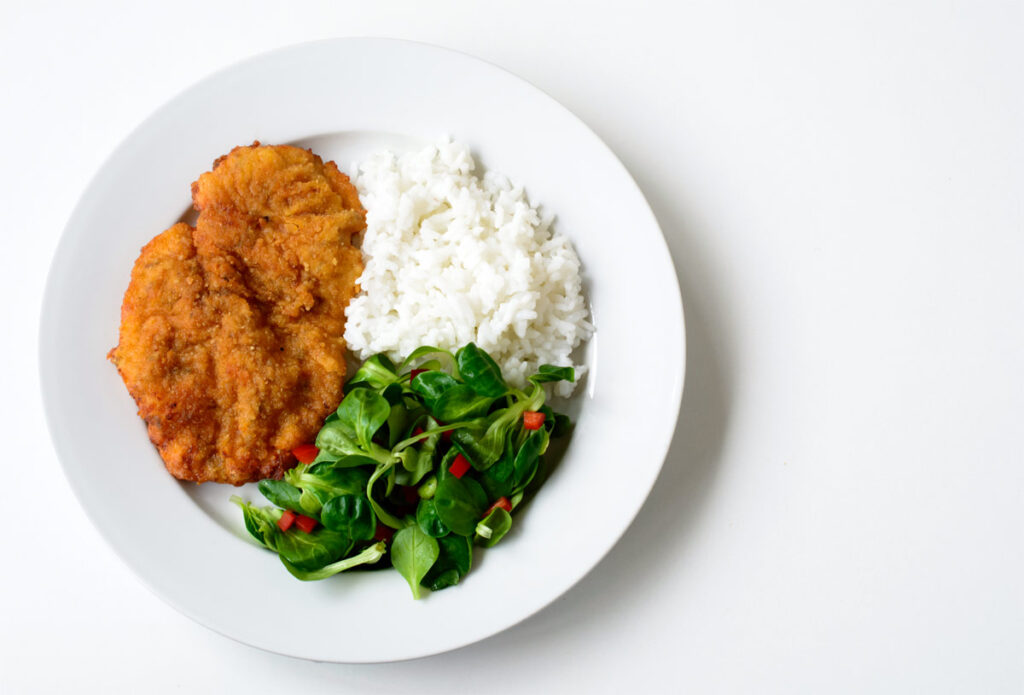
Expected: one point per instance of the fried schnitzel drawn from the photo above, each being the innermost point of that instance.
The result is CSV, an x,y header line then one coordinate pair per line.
x,y
231,332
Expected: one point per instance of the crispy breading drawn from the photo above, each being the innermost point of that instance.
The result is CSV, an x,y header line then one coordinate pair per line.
x,y
231,333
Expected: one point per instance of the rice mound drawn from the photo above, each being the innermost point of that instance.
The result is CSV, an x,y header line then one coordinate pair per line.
x,y
452,258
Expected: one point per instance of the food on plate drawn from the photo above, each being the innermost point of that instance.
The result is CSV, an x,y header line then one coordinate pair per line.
x,y
231,332
233,337
453,258
420,462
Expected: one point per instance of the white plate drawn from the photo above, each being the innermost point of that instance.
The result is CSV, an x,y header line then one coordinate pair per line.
x,y
344,98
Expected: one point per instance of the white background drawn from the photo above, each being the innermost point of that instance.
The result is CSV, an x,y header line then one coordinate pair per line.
x,y
840,186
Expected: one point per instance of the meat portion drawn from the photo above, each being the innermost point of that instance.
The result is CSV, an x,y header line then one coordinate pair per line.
x,y
231,333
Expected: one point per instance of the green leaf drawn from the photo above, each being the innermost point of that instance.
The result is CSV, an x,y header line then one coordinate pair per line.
x,y
429,365
549,372
352,461
431,385
367,557
498,480
460,503
282,494
460,402
393,394
332,478
337,443
450,577
528,457
480,372
260,522
311,551
416,463
363,412
320,482
484,449
419,460
304,550
429,521
423,351
385,517
454,559
562,425
378,371
412,554
494,527
351,515
335,440
397,419
446,463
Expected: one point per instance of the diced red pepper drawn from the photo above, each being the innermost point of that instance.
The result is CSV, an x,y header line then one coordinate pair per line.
x,y
533,420
410,494
383,533
500,502
459,466
305,523
305,453
417,432
286,520
415,372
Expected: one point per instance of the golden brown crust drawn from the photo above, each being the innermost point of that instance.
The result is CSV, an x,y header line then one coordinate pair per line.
x,y
231,333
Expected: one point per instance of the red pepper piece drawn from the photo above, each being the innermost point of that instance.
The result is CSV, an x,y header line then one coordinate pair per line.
x,y
500,502
286,520
305,523
413,373
533,420
305,453
459,466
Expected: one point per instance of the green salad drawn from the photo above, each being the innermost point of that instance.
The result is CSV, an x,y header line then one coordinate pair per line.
x,y
417,465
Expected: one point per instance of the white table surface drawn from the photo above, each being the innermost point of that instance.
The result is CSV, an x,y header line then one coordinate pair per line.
x,y
840,186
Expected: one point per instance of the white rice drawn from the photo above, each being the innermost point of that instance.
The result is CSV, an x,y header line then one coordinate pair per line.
x,y
452,258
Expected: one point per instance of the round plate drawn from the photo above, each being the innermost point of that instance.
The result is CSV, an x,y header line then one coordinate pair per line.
x,y
345,98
